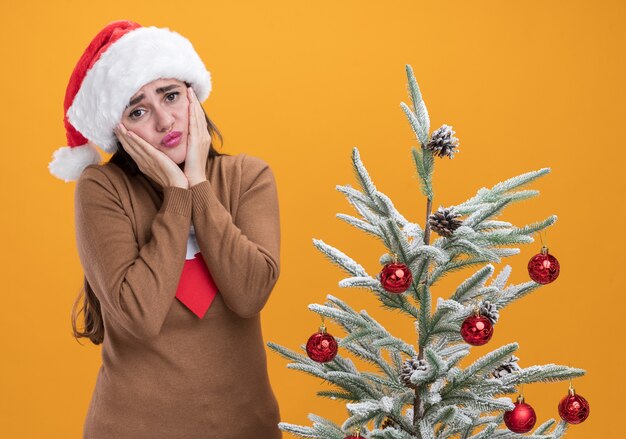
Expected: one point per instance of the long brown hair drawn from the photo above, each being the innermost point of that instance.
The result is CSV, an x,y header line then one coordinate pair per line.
x,y
94,326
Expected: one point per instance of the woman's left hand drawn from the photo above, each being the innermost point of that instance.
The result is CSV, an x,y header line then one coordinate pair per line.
x,y
198,141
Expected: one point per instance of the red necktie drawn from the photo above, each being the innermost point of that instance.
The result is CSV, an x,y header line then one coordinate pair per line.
x,y
196,289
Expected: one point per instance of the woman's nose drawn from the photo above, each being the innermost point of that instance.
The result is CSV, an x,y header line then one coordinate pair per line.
x,y
164,120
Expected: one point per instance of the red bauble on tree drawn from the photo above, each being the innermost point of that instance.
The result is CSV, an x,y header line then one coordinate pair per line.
x,y
573,408
396,278
321,346
522,418
543,268
476,329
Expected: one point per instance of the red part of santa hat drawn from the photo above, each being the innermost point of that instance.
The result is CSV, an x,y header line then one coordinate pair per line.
x,y
121,58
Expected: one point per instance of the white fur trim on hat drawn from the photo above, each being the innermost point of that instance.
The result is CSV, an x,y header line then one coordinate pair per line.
x,y
68,162
137,58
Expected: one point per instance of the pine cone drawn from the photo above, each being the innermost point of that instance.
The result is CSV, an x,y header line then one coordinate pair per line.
x,y
509,367
387,423
442,142
410,366
490,311
443,221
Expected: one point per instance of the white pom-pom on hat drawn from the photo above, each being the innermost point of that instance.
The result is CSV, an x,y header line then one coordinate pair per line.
x,y
69,161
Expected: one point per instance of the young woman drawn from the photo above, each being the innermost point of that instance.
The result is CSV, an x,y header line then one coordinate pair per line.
x,y
179,245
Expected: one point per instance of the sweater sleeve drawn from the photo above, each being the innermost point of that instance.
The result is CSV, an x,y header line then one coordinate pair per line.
x,y
135,286
242,255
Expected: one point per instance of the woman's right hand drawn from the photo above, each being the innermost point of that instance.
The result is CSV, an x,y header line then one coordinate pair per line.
x,y
150,160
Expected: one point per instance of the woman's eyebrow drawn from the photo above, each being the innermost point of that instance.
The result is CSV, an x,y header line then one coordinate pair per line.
x,y
159,90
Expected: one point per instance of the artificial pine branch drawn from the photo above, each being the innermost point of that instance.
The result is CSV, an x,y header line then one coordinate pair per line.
x,y
419,107
424,163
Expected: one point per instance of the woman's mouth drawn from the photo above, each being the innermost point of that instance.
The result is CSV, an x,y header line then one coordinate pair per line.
x,y
172,139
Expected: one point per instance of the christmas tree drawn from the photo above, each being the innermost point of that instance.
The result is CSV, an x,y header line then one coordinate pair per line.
x,y
421,391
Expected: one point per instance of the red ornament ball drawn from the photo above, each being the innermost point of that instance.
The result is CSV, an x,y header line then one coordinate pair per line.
x,y
396,278
543,268
321,347
477,330
522,418
573,408
358,436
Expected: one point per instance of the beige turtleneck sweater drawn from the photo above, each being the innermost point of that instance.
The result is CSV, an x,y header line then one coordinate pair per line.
x,y
166,373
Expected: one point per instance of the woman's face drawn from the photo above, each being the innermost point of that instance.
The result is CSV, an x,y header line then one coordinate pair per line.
x,y
159,109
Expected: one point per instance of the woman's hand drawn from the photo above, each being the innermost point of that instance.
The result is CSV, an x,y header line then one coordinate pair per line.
x,y
152,162
198,141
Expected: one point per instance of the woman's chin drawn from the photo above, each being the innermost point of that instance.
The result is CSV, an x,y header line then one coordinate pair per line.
x,y
178,154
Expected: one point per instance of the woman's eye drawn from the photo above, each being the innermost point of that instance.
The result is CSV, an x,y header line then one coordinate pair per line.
x,y
170,97
133,114
174,94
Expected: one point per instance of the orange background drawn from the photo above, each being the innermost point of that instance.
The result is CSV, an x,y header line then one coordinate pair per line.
x,y
525,85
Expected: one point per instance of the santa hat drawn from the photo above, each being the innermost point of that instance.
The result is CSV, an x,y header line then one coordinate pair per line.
x,y
122,58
